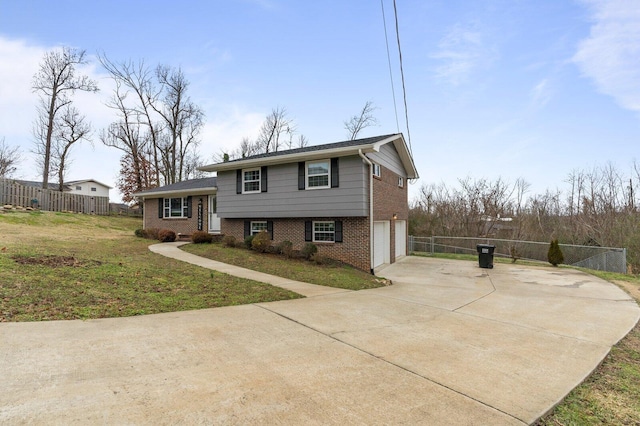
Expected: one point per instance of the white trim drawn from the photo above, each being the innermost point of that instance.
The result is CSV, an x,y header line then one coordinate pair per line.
x,y
73,182
367,161
313,231
377,169
306,174
251,230
184,207
182,192
212,215
259,180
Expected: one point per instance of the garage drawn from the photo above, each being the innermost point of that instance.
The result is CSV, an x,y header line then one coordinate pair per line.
x,y
401,238
381,243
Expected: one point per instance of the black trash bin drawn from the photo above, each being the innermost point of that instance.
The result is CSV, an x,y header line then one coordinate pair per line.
x,y
485,255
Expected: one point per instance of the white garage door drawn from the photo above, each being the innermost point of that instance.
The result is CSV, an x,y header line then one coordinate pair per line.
x,y
401,238
381,243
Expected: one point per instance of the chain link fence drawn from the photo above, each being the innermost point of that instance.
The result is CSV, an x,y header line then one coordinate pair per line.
x,y
599,258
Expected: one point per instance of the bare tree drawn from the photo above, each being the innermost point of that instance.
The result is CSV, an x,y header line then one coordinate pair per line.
x,y
182,119
9,159
276,126
135,111
71,128
361,121
55,82
277,131
161,104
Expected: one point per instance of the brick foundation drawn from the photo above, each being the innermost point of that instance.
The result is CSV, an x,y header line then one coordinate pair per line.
x,y
353,250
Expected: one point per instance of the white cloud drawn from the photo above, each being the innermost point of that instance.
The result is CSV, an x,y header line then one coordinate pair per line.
x,y
541,94
225,130
610,56
225,127
462,51
18,62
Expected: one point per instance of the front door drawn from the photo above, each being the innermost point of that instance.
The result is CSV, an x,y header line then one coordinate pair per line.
x,y
214,220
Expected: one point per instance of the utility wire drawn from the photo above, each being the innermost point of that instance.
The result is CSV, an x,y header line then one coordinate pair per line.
x,y
393,91
404,90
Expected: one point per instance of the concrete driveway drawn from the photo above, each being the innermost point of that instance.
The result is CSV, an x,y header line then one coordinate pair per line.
x,y
448,343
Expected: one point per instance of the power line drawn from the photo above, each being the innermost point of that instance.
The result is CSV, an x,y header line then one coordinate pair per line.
x,y
404,90
393,91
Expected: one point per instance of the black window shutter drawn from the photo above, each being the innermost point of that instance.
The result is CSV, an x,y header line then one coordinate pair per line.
x,y
247,228
189,209
238,181
338,230
270,228
308,230
263,179
160,207
301,175
335,176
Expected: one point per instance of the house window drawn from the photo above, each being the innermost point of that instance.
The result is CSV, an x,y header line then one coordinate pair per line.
x,y
78,188
175,207
250,181
318,173
258,226
93,189
400,181
324,232
376,170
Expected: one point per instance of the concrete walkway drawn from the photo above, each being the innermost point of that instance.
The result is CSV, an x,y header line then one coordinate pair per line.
x,y
172,250
448,343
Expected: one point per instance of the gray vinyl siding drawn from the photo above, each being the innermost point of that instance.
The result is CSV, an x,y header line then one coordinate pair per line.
x,y
388,158
284,200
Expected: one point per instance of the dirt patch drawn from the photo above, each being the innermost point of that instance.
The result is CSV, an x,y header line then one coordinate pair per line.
x,y
55,261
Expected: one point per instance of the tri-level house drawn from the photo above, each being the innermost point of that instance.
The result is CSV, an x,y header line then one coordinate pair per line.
x,y
348,198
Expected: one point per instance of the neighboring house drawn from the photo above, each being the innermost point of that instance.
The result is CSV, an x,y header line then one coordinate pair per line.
x,y
320,194
88,187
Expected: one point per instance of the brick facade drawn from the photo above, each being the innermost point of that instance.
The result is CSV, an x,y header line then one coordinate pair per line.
x,y
353,250
185,226
389,199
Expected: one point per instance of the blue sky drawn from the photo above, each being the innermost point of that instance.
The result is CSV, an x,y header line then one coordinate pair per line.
x,y
528,89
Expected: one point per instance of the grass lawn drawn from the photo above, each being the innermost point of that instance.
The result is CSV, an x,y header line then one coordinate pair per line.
x,y
57,266
342,276
611,395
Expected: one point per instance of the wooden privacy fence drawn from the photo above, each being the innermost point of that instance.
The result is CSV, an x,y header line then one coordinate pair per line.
x,y
15,194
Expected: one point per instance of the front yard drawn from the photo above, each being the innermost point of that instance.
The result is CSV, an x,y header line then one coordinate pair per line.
x,y
56,266
330,274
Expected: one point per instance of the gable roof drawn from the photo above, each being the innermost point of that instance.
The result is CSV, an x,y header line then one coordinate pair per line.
x,y
186,187
76,182
336,149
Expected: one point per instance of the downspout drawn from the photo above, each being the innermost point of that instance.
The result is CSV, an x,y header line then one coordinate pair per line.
x,y
144,215
366,160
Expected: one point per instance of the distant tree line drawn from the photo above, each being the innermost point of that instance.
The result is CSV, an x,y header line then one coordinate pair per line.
x,y
595,207
156,124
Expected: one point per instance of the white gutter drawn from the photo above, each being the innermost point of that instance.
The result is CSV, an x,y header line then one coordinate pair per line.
x,y
366,160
